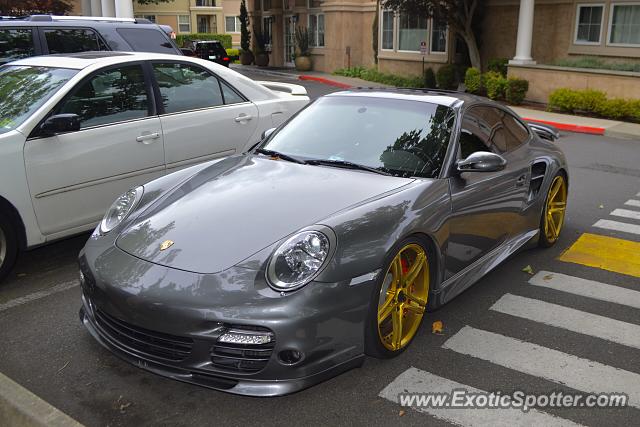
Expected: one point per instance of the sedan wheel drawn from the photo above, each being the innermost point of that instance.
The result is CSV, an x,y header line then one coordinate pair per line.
x,y
8,247
401,302
554,210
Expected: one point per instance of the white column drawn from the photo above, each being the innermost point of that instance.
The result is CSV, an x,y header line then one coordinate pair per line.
x,y
108,8
96,8
525,34
86,7
124,8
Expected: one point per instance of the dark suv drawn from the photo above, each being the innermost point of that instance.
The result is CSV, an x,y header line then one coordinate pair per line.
x,y
45,34
211,50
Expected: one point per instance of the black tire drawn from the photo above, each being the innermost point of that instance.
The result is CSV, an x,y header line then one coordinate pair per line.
x,y
545,240
8,246
372,340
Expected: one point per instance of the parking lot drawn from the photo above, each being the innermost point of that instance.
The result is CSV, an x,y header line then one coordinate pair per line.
x,y
46,349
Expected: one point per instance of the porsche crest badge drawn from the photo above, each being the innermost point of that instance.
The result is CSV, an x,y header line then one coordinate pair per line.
x,y
166,245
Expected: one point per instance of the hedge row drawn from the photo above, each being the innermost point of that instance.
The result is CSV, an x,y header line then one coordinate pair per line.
x,y
495,86
595,102
372,75
181,39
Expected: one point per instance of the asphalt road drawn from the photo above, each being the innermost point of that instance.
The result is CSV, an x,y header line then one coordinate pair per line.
x,y
44,347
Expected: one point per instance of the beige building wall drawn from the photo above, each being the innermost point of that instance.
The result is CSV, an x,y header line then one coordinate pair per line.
x,y
231,8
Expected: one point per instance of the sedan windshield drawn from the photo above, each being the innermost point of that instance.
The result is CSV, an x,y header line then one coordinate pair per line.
x,y
24,89
400,137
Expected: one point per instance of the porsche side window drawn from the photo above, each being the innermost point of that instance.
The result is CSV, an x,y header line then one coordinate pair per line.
x,y
110,96
185,87
475,134
516,131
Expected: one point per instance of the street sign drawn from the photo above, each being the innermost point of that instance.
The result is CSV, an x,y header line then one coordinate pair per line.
x,y
423,47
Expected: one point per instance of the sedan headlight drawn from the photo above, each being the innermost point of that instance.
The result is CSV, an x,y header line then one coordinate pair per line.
x,y
297,261
120,209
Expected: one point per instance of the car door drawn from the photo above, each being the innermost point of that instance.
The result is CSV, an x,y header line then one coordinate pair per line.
x,y
75,176
202,116
487,207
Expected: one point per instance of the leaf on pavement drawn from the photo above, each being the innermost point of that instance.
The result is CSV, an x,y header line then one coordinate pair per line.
x,y
601,206
547,277
528,269
436,327
401,413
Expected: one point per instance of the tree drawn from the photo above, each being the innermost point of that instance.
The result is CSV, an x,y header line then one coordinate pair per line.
x,y
34,7
245,34
460,16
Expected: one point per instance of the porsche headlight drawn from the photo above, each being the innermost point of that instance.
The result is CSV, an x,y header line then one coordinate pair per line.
x,y
120,209
296,262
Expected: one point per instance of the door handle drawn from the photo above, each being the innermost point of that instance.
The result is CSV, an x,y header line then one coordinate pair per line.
x,y
148,138
243,117
521,180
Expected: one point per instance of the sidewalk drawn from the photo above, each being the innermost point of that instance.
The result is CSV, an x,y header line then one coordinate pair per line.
x,y
566,122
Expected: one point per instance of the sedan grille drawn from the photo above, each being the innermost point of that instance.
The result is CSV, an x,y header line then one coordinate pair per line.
x,y
144,341
242,358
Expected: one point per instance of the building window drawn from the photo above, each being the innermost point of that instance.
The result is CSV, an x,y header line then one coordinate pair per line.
x,y
314,4
232,24
206,3
438,36
151,18
184,24
316,28
589,24
625,24
387,29
412,31
207,23
266,4
267,29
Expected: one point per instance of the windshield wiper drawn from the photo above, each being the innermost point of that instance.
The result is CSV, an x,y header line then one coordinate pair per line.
x,y
279,155
345,164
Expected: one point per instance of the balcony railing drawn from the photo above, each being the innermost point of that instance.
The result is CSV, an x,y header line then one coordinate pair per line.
x,y
205,3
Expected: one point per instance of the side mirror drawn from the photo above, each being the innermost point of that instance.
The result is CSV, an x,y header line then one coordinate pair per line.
x,y
267,133
60,123
482,161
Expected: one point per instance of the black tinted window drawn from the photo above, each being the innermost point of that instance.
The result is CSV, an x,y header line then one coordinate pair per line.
x,y
483,130
72,40
146,40
15,43
110,96
211,49
515,130
230,95
184,87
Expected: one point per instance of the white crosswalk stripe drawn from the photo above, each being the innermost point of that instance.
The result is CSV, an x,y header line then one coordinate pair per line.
x,y
553,365
567,318
633,202
417,381
587,288
626,213
617,226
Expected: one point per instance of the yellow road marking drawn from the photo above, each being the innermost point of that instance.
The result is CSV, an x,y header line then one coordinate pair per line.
x,y
607,253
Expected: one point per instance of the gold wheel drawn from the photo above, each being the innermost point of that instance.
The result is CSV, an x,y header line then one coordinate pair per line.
x,y
555,208
403,297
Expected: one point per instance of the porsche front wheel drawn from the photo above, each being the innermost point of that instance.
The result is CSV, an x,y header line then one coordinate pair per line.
x,y
553,213
399,301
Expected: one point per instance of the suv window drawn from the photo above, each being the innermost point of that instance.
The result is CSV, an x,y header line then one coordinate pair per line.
x,y
16,43
185,87
110,96
146,40
70,40
210,48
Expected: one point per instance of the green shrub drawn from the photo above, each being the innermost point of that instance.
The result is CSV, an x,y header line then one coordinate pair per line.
x,y
563,100
233,53
498,65
594,102
225,39
589,100
591,62
516,90
613,108
445,77
429,78
473,80
378,77
633,110
495,84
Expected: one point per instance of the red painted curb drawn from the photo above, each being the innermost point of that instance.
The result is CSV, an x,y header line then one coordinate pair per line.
x,y
570,128
325,81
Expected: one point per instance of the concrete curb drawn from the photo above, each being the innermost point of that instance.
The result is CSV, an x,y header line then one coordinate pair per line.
x,y
20,407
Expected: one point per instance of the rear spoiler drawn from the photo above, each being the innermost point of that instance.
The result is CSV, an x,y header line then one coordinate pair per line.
x,y
291,89
544,131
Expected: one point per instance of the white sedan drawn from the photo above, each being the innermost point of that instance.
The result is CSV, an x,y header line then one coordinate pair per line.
x,y
78,130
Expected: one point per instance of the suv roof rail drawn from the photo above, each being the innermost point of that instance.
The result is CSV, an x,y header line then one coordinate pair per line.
x,y
50,18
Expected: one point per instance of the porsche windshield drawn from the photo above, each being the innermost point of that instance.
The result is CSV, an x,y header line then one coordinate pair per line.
x,y
24,89
400,137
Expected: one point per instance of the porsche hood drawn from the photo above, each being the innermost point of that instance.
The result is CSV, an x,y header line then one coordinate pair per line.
x,y
238,206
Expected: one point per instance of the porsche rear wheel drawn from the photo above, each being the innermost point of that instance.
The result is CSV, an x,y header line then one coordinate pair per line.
x,y
399,301
553,213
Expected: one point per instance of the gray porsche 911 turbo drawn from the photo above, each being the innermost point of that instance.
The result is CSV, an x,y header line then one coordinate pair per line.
x,y
269,271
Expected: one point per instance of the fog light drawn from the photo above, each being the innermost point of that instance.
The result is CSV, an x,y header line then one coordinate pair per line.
x,y
290,357
235,336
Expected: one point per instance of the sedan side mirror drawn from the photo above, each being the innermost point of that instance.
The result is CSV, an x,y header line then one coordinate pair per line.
x,y
267,133
60,123
482,161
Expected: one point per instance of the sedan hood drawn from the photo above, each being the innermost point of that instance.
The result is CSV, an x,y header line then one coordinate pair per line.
x,y
238,206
